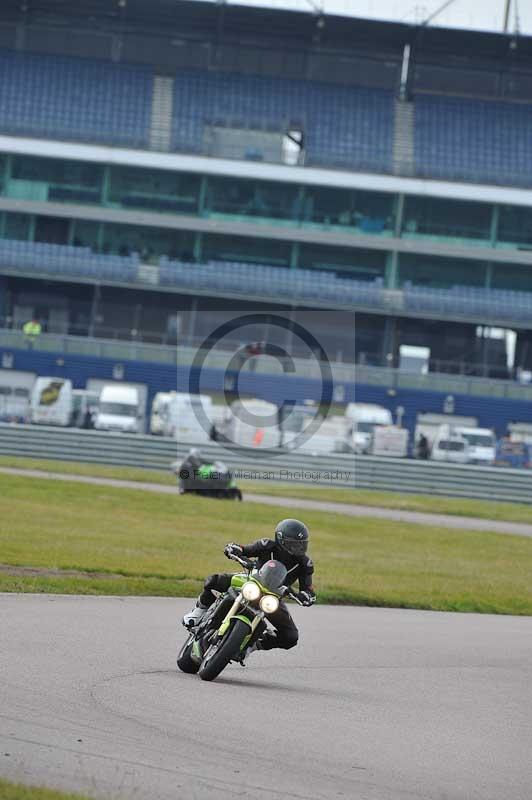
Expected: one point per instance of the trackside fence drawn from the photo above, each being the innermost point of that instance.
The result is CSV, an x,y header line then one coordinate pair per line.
x,y
361,472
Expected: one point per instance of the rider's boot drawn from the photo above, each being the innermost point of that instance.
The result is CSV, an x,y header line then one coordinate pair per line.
x,y
194,617
255,646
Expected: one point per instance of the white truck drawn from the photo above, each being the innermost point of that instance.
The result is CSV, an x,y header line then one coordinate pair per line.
x,y
448,446
463,445
389,440
428,424
119,409
159,413
15,395
52,402
303,429
520,432
361,419
480,445
251,423
188,417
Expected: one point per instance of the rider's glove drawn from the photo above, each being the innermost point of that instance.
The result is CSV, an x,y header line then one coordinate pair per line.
x,y
308,598
232,549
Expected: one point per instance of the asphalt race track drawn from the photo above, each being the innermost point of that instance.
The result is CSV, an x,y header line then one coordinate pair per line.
x,y
374,704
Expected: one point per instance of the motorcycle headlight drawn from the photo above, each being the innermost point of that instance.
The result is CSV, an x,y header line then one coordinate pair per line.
x,y
269,604
250,591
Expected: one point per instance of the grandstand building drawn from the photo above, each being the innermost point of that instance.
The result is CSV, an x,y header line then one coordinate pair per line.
x,y
168,156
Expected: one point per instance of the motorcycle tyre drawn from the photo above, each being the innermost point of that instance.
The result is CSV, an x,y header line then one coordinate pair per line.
x,y
184,662
228,649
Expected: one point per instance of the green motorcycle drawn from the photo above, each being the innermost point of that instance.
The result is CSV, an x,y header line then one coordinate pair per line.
x,y
236,619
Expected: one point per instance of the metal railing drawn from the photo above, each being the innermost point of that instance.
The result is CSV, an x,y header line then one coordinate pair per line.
x,y
183,355
361,472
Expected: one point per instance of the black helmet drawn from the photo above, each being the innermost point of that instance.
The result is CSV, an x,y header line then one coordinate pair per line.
x,y
292,536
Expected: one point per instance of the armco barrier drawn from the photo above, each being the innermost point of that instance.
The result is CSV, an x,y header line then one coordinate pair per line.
x,y
363,472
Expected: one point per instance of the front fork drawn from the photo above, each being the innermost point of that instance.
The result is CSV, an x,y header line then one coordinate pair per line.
x,y
232,614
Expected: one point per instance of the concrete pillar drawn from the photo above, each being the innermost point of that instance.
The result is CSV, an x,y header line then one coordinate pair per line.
x,y
3,298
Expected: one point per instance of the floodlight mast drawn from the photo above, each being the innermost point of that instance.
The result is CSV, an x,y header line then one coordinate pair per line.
x,y
507,15
436,13
316,7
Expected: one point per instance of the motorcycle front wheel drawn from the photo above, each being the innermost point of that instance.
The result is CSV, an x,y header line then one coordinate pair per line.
x,y
184,661
224,651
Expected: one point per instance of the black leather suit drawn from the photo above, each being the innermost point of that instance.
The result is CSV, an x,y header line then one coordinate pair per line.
x,y
300,568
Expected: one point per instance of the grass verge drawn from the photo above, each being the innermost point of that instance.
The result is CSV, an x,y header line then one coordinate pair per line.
x,y
120,541
15,791
93,470
492,510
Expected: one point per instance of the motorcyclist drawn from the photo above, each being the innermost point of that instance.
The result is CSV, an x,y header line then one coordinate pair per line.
x,y
187,469
193,459
290,547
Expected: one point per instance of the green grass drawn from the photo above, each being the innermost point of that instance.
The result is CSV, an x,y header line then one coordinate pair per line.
x,y
510,512
15,791
463,507
164,544
95,470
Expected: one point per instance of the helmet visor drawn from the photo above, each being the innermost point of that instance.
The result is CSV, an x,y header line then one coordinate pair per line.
x,y
296,547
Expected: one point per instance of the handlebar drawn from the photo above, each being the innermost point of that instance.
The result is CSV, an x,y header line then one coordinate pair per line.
x,y
245,562
293,596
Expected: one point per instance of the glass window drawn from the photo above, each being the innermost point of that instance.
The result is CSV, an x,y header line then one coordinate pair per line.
x,y
367,212
249,198
451,445
441,272
512,276
240,248
436,218
150,243
344,261
17,226
53,230
77,181
85,233
118,409
154,189
515,225
3,162
479,440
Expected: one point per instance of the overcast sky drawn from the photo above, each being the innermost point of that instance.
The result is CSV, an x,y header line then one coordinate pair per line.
x,y
473,14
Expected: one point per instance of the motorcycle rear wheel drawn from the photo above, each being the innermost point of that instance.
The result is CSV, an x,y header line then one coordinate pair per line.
x,y
228,648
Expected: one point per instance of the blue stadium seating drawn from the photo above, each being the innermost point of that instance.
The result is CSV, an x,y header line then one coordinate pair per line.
x,y
343,126
257,280
475,140
470,301
346,127
75,99
253,280
66,260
